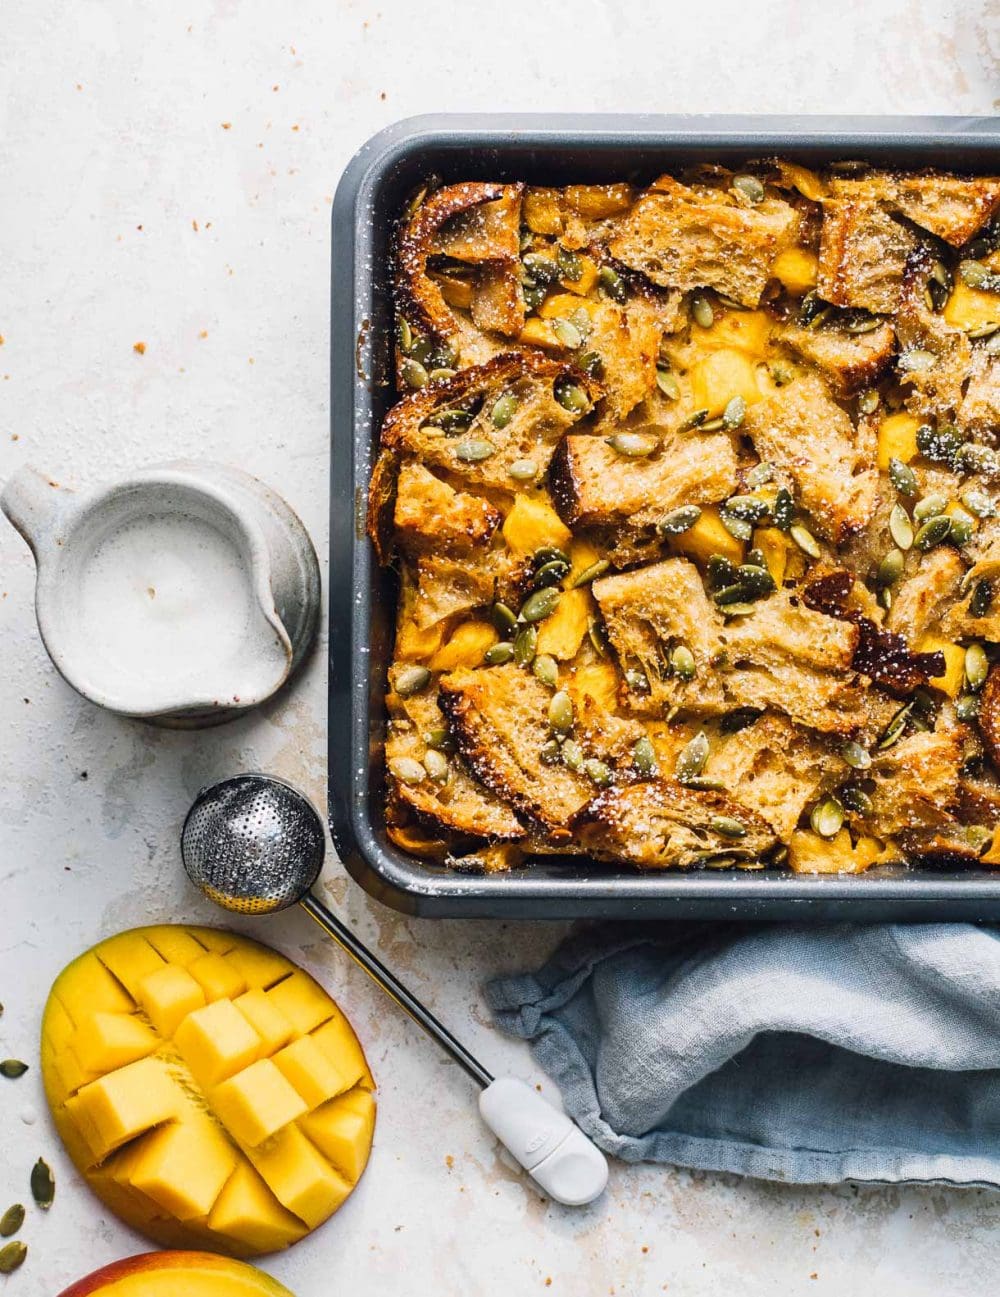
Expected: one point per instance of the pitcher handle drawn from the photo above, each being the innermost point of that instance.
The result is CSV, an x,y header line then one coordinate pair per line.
x,y
36,506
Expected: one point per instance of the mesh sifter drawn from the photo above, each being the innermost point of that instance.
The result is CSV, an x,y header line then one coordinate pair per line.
x,y
254,845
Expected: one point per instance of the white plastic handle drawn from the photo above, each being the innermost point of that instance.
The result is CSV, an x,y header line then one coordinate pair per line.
x,y
552,1149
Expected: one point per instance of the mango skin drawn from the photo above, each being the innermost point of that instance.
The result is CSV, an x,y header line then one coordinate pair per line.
x,y
202,1274
171,1169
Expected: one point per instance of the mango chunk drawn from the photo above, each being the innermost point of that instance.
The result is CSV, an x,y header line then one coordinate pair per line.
x,y
258,966
175,944
597,680
953,680
773,544
247,1211
417,644
542,211
271,1026
466,646
539,333
302,1001
183,1166
719,377
127,1102
342,1131
256,1102
93,989
797,269
971,308
167,996
314,1074
746,331
533,523
707,537
897,439
216,1042
808,853
217,977
587,278
456,292
598,202
130,958
110,1040
339,1043
992,856
562,634
299,1176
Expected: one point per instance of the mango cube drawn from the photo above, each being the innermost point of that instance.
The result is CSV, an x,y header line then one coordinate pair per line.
x,y
797,269
342,1130
175,944
562,634
953,680
217,977
93,988
271,1026
109,1040
216,1042
707,537
127,1102
721,376
167,996
130,957
338,1041
531,524
258,966
256,1102
299,1176
302,1002
314,1073
247,1210
897,439
466,646
183,1166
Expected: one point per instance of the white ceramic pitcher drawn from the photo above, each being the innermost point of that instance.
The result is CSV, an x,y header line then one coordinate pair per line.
x,y
182,594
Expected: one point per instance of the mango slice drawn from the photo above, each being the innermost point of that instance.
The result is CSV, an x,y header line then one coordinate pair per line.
x,y
209,1091
165,1274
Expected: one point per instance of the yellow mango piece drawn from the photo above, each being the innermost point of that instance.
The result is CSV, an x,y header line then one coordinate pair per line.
x,y
342,1131
560,306
598,202
256,1102
71,1072
747,331
93,988
562,634
539,333
953,680
129,957
246,1210
598,680
216,977
216,1042
302,1001
587,279
773,544
797,269
456,292
299,1176
337,1040
257,965
805,181
175,944
707,537
311,1071
123,1104
416,644
719,377
971,308
808,853
271,1026
109,1040
167,996
172,1274
581,556
897,438
992,856
533,523
183,1166
466,647
542,211
58,1027
955,507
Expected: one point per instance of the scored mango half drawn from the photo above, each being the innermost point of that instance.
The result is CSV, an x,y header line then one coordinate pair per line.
x,y
209,1091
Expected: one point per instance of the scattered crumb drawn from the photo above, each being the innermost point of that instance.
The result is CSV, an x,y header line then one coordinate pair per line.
x,y
382,95
226,126
645,1250
139,348
548,1282
78,86
83,774
814,1275
449,1161
203,333
139,227
295,127
2,339
538,1086
194,226
28,701
250,360
276,88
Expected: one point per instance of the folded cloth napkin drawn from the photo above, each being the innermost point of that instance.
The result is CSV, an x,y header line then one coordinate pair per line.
x,y
796,1053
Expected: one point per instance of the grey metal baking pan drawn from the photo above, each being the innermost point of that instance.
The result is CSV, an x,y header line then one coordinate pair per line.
x,y
555,150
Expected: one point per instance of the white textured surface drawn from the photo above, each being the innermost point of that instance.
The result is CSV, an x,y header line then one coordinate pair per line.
x,y
130,213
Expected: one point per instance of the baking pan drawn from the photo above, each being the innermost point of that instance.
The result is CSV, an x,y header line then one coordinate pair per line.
x,y
555,150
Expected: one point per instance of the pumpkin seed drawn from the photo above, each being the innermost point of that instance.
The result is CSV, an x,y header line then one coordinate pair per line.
x,y
404,335
929,507
692,758
504,409
827,818
750,187
682,662
693,421
727,827
549,554
407,771
597,772
890,569
916,361
503,618
933,532
637,680
981,599
497,654
902,477
973,458
856,799
43,1184
644,757
633,445
967,708
436,765
439,375
975,274
545,669
540,605
868,402
900,527
590,573
783,509
475,450
571,397
533,294
720,571
523,470
739,719
12,1256
525,645
678,520
572,756
12,1220
450,421
561,712
736,526
734,413
962,526
760,475
977,667
707,785
551,752
701,310
941,444
738,609
756,579
979,503
858,323
411,680
748,507
612,283
668,384
983,331
544,270
713,425
857,757
567,333
596,635
550,573
570,264
893,732
591,363
439,738
805,540
12,1068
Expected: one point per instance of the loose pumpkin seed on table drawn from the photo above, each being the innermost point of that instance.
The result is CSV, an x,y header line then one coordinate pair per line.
x,y
12,1220
12,1256
43,1184
12,1068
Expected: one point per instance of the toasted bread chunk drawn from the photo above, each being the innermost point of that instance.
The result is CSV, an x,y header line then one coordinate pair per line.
x,y
685,238
627,340
950,846
499,720
461,803
989,714
980,408
497,300
920,600
776,768
660,824
963,620
456,583
592,485
533,432
862,255
430,514
916,781
935,391
849,361
381,505
955,208
804,432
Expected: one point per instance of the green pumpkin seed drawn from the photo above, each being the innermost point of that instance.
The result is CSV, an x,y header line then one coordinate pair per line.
x,y
900,527
561,712
720,571
730,594
572,755
548,554
916,361
612,283
668,384
705,784
525,645
475,450
933,532
571,397
973,273
750,188
783,509
868,402
504,409
929,507
413,373
727,827
597,772
713,425
857,757
544,270
12,1256
702,313
760,475
591,363
637,680
981,600
734,413
567,333
858,324
902,477
551,752
411,680
633,445
682,662
533,294
748,507
979,503
590,573
597,637
523,470
678,520
540,605
967,708
739,609
693,421
692,758
436,765
644,757
805,540
894,730
12,1220
570,264
856,800
890,569
756,579
550,573
941,445
498,654
827,818
12,1068
973,458
450,421
407,771
439,738
545,669
440,375
962,527
977,667
404,335
736,526
503,618
43,1184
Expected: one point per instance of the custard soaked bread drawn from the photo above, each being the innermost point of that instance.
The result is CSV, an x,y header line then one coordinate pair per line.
x,y
694,495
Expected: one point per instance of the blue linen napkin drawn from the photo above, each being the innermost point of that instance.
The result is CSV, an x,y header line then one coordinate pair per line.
x,y
797,1053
